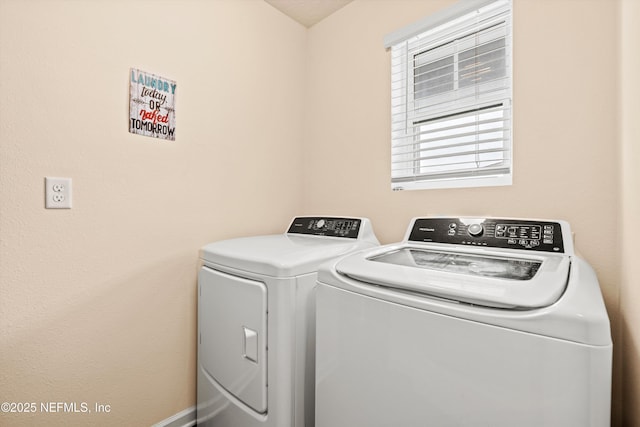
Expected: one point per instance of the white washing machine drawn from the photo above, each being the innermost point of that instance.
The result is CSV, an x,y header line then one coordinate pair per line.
x,y
466,322
256,322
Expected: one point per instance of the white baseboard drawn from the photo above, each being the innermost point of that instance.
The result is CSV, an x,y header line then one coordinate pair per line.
x,y
186,418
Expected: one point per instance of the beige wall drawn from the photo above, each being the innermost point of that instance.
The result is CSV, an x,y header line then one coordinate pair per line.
x,y
97,303
630,284
566,152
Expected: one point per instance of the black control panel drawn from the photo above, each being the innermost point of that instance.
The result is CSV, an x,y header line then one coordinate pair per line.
x,y
326,226
496,233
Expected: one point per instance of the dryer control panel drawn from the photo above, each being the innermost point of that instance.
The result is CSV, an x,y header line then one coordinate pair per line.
x,y
545,236
326,226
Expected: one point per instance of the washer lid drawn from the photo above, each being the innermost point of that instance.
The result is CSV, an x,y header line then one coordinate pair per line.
x,y
478,276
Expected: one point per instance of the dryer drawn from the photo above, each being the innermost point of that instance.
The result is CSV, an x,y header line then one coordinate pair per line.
x,y
256,322
466,322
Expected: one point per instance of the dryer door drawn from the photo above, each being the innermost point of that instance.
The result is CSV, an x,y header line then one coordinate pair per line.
x,y
232,313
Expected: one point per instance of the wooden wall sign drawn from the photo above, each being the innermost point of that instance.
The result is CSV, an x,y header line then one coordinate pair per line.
x,y
152,105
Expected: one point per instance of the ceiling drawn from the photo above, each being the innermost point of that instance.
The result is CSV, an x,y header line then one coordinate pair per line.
x,y
308,12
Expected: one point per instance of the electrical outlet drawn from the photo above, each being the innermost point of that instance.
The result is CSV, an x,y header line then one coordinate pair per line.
x,y
57,193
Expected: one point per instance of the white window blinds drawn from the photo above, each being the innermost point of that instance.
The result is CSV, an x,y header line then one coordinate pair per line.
x,y
451,99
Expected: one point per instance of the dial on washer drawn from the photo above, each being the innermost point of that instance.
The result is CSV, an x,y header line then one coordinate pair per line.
x,y
475,230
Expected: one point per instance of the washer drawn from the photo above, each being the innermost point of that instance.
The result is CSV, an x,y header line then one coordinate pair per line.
x,y
466,322
256,322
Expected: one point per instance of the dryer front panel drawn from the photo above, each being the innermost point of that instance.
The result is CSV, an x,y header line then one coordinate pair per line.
x,y
232,315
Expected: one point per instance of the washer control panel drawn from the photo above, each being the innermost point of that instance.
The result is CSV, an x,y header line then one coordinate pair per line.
x,y
545,236
326,226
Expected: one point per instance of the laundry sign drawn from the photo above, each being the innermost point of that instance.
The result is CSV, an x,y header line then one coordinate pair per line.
x,y
152,105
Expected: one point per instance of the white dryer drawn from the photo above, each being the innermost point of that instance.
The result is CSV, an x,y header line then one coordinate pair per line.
x,y
466,322
256,322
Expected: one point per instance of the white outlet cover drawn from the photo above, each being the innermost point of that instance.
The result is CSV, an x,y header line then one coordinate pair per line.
x,y
57,193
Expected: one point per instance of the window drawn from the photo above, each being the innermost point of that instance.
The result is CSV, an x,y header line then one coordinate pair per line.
x,y
451,98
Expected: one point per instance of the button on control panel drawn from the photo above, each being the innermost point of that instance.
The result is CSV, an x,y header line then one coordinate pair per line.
x,y
545,236
326,226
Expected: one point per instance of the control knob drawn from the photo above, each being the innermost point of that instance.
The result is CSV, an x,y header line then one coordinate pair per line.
x,y
475,230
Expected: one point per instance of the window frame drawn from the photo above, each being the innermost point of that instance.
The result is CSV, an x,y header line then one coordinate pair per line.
x,y
447,33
